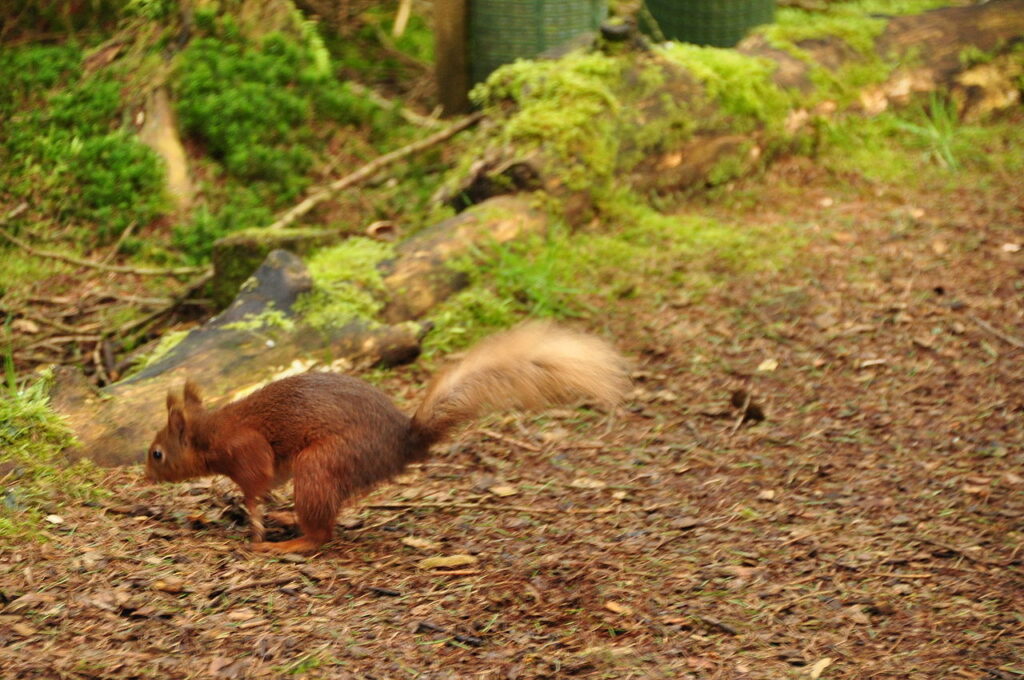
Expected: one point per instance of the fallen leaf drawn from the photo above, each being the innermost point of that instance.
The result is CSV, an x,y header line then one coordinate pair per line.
x,y
924,342
446,561
857,616
55,519
587,483
618,608
819,667
25,326
243,614
420,543
504,490
768,365
1011,247
766,495
614,651
171,584
825,320
23,629
27,602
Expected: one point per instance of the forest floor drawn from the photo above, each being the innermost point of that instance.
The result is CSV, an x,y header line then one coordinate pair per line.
x,y
869,526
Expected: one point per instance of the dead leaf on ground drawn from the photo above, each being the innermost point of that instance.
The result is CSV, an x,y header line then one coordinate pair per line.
x,y
618,608
818,668
588,483
447,562
170,584
503,490
420,543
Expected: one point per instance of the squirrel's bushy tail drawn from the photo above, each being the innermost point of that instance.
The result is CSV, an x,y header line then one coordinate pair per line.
x,y
532,366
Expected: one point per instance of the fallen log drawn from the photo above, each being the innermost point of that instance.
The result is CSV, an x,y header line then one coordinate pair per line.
x,y
260,337
674,117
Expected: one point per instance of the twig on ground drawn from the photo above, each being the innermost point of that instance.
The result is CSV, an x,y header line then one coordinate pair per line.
x,y
62,340
1005,337
510,440
120,241
138,324
14,212
963,552
385,103
280,581
140,271
743,414
102,376
370,169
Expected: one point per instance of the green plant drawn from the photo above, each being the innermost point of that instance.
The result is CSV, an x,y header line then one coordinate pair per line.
x,y
938,133
10,376
229,207
29,72
70,156
34,475
263,110
531,273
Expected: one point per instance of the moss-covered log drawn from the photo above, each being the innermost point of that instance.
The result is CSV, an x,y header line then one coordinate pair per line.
x,y
680,116
261,336
420,276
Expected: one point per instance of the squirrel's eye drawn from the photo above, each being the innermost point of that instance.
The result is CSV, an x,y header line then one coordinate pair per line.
x,y
157,454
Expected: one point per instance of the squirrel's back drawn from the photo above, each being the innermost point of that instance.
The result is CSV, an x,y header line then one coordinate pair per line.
x,y
294,412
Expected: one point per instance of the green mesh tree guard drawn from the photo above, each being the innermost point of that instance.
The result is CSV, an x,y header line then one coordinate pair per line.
x,y
501,31
721,23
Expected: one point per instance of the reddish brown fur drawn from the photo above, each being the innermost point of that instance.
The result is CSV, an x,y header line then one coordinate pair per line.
x,y
339,436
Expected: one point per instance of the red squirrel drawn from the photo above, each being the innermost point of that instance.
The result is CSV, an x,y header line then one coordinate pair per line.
x,y
338,436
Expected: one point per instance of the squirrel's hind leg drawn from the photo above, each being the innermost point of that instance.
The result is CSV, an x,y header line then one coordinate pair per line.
x,y
319,472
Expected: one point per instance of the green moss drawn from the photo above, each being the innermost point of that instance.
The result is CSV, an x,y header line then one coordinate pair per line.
x,y
347,283
36,478
636,251
467,317
572,111
859,25
741,85
31,71
268,318
567,106
792,26
67,152
167,342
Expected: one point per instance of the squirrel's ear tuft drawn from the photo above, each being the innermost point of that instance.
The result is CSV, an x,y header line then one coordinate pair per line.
x,y
176,421
173,400
192,395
